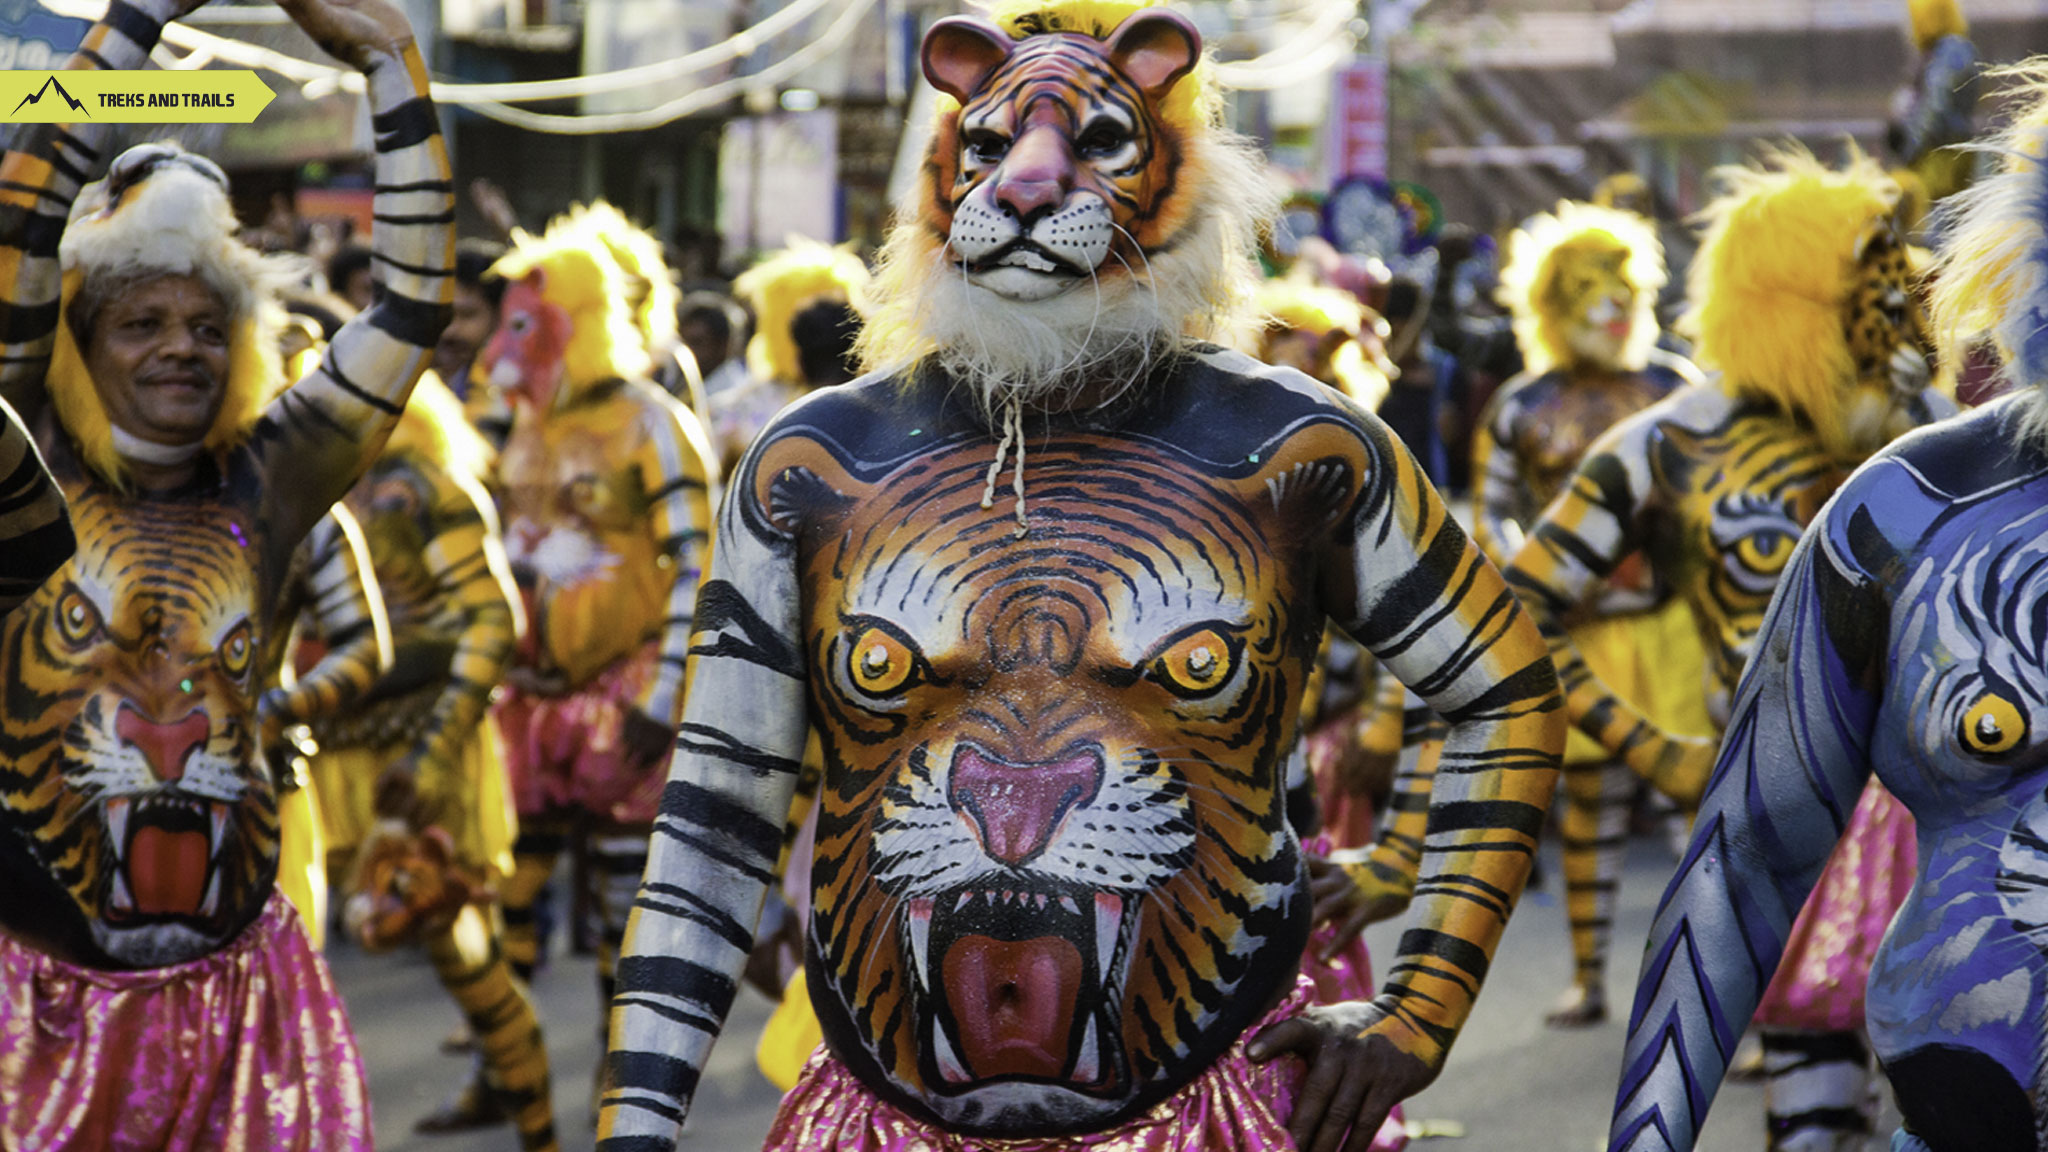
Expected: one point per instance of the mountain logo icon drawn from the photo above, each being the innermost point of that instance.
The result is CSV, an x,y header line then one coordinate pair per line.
x,y
37,95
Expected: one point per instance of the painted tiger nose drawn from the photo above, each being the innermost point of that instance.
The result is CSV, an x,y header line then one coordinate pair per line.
x,y
1036,176
1015,808
165,746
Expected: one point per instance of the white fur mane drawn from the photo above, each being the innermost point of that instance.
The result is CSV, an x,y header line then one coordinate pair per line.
x,y
1101,336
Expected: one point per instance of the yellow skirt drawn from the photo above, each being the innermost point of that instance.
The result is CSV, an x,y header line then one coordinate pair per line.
x,y
791,1035
1655,661
482,824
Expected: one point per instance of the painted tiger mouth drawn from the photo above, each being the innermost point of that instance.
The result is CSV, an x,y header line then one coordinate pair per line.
x,y
166,858
1028,255
1021,981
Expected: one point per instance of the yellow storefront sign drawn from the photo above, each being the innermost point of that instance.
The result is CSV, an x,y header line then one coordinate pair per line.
x,y
205,96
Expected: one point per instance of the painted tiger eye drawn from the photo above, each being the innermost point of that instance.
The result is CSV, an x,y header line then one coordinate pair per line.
x,y
1764,551
881,664
1198,663
76,617
1993,725
234,655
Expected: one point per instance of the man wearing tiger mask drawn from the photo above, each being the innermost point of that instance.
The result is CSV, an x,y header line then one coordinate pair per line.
x,y
1581,286
605,485
1804,301
1056,898
160,993
1905,644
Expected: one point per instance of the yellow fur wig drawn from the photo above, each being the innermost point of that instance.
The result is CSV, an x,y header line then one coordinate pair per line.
x,y
1934,19
1195,288
782,285
1312,308
1991,282
176,222
1547,246
579,276
1776,264
651,293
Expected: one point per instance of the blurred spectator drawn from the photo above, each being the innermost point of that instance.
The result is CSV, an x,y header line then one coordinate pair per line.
x,y
1426,404
824,334
349,275
712,327
476,313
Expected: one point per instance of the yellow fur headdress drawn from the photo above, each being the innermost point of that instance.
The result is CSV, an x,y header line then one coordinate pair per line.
x,y
1195,102
174,221
1776,264
651,293
1311,308
1934,19
1992,279
786,283
1546,246
580,276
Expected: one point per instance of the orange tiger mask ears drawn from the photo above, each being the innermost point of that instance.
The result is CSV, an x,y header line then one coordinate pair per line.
x,y
1153,49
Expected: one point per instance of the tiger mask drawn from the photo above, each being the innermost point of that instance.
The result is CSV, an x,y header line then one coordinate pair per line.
x,y
1049,840
1081,210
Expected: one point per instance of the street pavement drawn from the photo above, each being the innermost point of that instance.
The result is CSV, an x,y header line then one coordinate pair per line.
x,y
1512,1085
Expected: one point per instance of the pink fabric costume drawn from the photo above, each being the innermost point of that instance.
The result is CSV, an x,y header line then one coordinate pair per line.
x,y
265,1062
566,752
1820,982
1235,1104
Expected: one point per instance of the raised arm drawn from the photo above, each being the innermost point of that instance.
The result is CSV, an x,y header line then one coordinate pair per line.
x,y
323,432
40,175
1411,587
35,526
1793,763
718,836
1571,550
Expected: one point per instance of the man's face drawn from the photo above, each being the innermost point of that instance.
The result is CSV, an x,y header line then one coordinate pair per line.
x,y
467,330
706,345
159,357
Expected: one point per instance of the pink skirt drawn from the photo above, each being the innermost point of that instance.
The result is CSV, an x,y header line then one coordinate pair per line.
x,y
569,752
1234,1104
1820,981
248,1048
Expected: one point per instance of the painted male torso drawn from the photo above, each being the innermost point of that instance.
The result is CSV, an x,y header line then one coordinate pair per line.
x,y
1954,541
135,777
1054,876
576,510
1537,430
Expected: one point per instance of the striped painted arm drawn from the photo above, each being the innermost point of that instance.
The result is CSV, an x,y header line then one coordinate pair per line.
x,y
35,527
1571,550
674,463
1795,759
466,560
719,833
348,613
323,432
1497,493
1439,617
40,175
